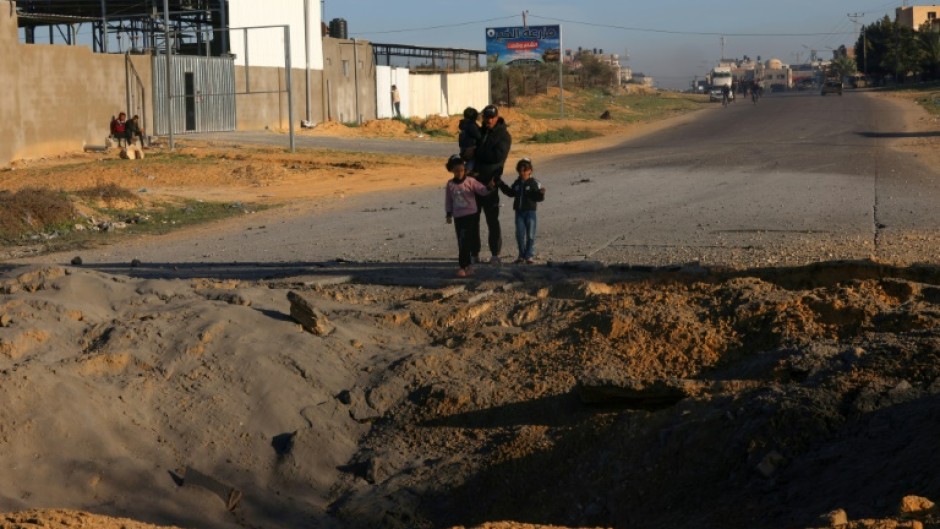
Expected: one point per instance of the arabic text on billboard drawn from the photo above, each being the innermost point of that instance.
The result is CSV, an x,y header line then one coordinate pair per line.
x,y
522,45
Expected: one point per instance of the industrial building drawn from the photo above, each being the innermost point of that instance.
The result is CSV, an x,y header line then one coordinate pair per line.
x,y
233,65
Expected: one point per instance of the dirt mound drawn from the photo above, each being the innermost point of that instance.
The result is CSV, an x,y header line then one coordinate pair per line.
x,y
777,395
449,124
60,519
546,395
520,125
332,128
385,127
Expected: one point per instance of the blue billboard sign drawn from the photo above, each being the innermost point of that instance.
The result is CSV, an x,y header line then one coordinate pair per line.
x,y
523,45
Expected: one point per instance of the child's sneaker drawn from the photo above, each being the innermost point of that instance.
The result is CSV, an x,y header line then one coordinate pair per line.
x,y
462,272
495,260
530,260
519,260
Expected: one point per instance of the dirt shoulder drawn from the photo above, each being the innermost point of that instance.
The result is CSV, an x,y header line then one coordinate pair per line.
x,y
921,138
207,171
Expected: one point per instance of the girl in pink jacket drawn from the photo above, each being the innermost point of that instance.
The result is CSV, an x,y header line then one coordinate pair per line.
x,y
461,206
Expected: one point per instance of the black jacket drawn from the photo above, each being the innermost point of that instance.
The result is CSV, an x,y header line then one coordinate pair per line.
x,y
492,151
469,134
526,193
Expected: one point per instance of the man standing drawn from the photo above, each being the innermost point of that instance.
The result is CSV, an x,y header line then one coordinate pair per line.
x,y
489,158
396,101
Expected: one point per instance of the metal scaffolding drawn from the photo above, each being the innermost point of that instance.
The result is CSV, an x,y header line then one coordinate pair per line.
x,y
431,59
133,26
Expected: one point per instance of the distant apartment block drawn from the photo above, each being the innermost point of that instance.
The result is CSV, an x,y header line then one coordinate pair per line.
x,y
916,16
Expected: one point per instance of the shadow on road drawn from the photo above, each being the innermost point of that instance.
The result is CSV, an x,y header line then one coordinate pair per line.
x,y
926,134
427,274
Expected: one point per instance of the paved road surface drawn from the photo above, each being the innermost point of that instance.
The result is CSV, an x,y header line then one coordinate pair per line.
x,y
794,179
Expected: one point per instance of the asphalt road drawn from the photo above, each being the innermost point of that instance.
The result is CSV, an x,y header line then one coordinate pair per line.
x,y
793,179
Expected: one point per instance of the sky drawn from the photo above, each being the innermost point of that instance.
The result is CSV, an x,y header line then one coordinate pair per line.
x,y
673,54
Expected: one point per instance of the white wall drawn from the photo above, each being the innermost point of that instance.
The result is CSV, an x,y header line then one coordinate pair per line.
x,y
385,77
266,46
467,90
447,94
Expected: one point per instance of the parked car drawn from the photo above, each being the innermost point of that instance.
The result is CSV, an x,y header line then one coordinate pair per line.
x,y
832,87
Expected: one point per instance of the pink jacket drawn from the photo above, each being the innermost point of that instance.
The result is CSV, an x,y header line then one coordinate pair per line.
x,y
459,200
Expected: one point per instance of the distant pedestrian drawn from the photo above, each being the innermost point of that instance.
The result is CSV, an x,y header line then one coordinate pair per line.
x,y
461,208
469,136
527,192
396,101
489,159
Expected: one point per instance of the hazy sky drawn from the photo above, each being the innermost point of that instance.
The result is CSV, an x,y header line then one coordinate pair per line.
x,y
673,55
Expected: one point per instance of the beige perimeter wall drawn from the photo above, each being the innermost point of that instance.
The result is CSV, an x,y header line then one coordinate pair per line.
x,y
57,98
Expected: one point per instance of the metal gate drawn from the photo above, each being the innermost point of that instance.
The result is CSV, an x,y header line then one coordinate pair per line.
x,y
203,94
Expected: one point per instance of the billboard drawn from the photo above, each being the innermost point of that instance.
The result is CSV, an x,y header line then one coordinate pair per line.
x,y
522,45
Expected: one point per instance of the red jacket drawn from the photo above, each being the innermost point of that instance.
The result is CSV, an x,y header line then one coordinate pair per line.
x,y
117,126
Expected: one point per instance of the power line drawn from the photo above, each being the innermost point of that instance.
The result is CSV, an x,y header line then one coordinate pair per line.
x,y
459,24
680,32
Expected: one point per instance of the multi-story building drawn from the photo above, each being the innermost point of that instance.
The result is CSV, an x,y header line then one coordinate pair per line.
x,y
916,16
642,79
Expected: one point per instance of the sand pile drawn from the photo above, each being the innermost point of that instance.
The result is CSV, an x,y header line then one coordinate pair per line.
x,y
449,124
544,395
521,126
332,128
385,127
59,519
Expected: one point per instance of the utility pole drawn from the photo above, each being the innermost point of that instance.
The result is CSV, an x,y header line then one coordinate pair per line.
x,y
722,49
855,17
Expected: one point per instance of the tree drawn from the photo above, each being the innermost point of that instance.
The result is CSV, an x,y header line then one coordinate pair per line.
x,y
893,49
510,82
930,51
843,66
595,72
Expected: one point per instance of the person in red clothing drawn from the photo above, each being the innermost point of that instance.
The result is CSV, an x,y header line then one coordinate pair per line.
x,y
119,129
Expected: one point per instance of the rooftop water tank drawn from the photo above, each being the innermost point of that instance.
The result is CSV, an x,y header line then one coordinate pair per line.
x,y
338,29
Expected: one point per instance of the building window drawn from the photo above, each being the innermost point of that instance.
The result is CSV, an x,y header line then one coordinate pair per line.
x,y
346,68
931,15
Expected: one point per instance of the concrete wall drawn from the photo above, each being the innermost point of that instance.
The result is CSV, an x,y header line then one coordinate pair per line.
x,y
258,110
56,98
340,80
333,90
447,94
10,136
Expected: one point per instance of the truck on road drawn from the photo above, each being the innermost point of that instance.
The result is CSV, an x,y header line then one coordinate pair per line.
x,y
718,78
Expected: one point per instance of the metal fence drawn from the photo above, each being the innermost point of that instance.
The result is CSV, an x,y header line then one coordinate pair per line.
x,y
202,94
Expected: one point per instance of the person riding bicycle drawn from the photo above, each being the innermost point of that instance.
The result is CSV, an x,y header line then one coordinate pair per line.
x,y
725,95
